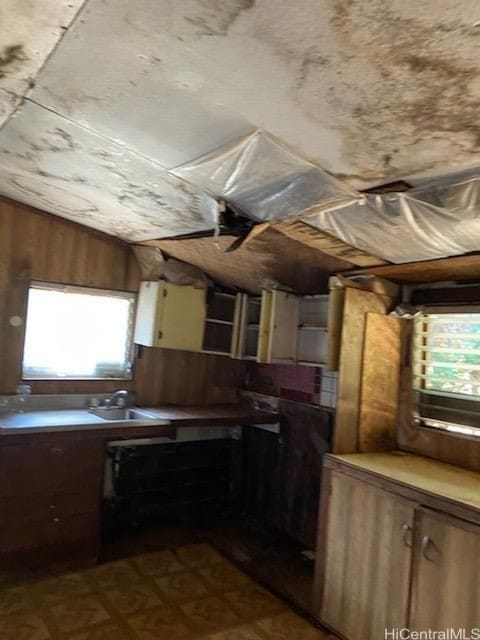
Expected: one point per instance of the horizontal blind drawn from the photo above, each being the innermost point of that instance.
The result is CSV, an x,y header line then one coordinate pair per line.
x,y
447,368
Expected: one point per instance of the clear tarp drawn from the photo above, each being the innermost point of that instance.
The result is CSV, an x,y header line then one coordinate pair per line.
x,y
399,228
461,197
264,180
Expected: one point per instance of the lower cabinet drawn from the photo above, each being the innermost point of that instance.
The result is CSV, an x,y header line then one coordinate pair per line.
x,y
387,561
367,560
50,495
446,582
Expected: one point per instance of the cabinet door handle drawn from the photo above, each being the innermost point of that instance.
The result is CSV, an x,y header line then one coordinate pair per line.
x,y
426,542
407,534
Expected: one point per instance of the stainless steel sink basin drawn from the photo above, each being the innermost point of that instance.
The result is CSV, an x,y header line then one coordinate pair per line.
x,y
121,413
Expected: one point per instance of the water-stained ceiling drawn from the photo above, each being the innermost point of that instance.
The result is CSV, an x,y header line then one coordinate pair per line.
x,y
101,100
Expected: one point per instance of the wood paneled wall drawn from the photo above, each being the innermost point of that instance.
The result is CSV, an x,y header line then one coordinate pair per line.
x,y
35,245
164,376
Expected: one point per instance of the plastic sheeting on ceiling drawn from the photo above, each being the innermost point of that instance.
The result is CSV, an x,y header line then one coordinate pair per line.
x,y
400,228
269,183
140,88
435,220
264,180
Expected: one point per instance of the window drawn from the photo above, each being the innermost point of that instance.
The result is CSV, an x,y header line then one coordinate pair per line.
x,y
447,371
77,332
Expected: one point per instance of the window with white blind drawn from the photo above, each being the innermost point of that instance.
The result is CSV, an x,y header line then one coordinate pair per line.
x,y
78,333
446,370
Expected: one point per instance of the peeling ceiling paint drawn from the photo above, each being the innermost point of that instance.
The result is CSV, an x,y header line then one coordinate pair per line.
x,y
369,90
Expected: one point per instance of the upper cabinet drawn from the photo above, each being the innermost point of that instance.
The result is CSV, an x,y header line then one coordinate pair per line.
x,y
221,323
312,336
170,316
277,340
276,327
247,327
284,328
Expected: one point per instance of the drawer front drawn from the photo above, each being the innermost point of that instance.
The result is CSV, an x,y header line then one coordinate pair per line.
x,y
50,467
32,508
49,532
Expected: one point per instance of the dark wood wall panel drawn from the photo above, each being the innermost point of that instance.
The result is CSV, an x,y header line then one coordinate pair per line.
x,y
36,245
165,376
281,474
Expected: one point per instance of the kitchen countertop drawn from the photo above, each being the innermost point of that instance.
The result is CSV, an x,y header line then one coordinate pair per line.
x,y
425,474
177,416
212,415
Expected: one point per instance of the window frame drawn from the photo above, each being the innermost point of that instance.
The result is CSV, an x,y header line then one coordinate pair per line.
x,y
87,290
453,402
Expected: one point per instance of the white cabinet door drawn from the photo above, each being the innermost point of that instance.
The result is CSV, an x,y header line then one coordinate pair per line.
x,y
278,327
170,316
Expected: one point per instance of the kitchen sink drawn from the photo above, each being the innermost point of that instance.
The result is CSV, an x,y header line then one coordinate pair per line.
x,y
47,418
121,413
66,419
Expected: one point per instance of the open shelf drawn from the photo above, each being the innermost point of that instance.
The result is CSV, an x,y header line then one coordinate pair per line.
x,y
215,353
307,363
312,327
216,321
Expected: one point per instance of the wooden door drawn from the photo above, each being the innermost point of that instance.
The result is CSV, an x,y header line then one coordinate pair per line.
x,y
278,327
446,583
367,557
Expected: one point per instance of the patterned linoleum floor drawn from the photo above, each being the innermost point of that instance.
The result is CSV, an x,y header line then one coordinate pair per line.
x,y
191,592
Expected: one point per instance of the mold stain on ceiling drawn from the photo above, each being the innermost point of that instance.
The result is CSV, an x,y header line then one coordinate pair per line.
x,y
56,165
101,99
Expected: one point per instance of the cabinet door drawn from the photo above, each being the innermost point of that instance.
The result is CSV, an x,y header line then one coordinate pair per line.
x,y
367,559
239,325
182,323
446,585
170,316
278,327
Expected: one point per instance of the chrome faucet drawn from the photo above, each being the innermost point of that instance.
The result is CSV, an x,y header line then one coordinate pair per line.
x,y
121,395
